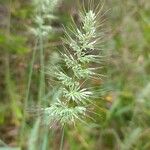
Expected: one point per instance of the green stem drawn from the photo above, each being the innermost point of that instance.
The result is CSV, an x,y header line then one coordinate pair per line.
x,y
42,75
28,90
62,138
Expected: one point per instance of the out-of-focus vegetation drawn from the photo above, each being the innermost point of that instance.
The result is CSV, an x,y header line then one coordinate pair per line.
x,y
124,104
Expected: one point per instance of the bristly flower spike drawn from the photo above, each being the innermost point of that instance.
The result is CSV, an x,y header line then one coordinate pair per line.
x,y
81,46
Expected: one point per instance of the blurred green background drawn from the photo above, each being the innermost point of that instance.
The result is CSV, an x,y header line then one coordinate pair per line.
x,y
125,91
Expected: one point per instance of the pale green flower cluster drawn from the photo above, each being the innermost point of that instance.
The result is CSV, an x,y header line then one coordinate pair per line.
x,y
43,13
62,113
81,44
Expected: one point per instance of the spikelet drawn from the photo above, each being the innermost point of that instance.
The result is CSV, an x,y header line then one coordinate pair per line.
x,y
80,44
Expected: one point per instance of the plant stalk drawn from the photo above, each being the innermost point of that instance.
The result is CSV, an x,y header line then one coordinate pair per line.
x,y
62,138
28,90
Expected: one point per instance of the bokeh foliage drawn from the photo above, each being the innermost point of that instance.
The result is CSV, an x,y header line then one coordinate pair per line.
x,y
124,104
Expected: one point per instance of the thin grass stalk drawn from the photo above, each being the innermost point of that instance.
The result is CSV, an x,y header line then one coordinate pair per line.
x,y
45,141
42,74
28,91
62,138
34,136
